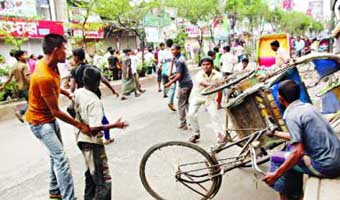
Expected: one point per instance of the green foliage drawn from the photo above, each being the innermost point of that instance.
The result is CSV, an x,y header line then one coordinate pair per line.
x,y
141,67
10,88
181,37
129,16
11,40
298,23
195,10
317,26
253,10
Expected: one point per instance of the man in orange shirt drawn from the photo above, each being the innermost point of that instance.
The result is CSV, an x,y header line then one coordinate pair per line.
x,y
42,113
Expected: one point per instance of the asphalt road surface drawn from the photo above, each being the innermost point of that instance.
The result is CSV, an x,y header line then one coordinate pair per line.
x,y
25,162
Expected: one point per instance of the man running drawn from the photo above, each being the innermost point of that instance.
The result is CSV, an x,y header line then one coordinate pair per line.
x,y
22,76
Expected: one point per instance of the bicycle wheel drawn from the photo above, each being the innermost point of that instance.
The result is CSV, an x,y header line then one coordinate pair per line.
x,y
179,170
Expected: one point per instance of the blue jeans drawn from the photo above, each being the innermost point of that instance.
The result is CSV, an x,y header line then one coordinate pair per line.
x,y
171,93
23,94
61,181
291,183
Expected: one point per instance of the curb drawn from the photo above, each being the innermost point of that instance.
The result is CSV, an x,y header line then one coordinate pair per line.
x,y
8,110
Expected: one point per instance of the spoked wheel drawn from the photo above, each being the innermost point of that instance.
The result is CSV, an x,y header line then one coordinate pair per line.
x,y
179,170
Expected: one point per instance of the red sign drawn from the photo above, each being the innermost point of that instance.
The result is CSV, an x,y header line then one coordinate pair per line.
x,y
31,28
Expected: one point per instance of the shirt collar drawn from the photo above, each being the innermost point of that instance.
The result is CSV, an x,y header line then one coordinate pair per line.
x,y
211,75
291,106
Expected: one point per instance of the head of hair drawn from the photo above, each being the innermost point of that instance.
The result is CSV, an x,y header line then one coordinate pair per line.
x,y
11,53
216,49
169,43
275,43
79,53
91,76
112,51
245,60
161,44
109,49
52,41
31,56
177,46
289,90
150,49
127,50
207,59
18,54
227,48
40,57
211,53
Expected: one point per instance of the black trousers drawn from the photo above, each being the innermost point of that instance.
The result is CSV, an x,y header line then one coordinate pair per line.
x,y
97,175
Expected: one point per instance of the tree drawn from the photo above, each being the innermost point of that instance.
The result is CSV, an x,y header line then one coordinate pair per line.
x,y
17,42
128,14
196,11
274,17
234,8
295,23
87,8
255,11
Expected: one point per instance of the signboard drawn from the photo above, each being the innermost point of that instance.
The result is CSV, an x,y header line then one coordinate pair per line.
x,y
152,34
77,15
194,31
92,30
31,28
315,9
153,20
22,8
221,28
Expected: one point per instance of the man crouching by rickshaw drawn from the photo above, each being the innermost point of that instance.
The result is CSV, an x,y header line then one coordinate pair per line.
x,y
314,148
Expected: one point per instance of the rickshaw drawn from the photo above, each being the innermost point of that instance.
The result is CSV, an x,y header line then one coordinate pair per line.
x,y
265,55
190,172
325,45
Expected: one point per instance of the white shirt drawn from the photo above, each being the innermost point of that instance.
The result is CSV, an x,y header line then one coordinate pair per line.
x,y
89,110
282,57
299,45
201,76
149,58
134,63
239,68
164,58
239,50
228,61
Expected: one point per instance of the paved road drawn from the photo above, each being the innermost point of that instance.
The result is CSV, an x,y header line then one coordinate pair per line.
x,y
24,163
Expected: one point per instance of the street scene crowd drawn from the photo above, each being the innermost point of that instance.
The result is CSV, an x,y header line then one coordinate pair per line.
x,y
313,146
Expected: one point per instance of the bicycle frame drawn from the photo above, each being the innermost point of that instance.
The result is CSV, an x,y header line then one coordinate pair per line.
x,y
223,166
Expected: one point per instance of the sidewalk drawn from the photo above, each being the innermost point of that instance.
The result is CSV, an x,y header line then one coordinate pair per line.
x,y
8,110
